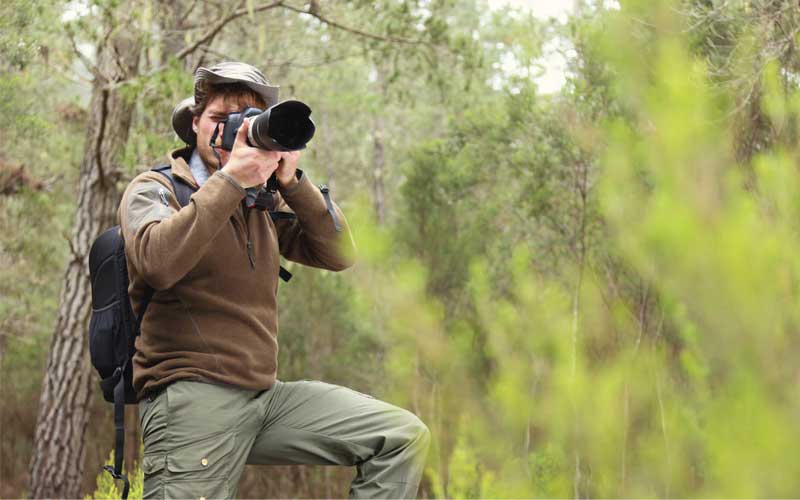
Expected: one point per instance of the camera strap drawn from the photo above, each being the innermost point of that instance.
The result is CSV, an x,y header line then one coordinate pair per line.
x,y
213,143
265,198
272,183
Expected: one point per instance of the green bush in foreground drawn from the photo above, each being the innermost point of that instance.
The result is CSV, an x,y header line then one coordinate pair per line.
x,y
559,384
109,489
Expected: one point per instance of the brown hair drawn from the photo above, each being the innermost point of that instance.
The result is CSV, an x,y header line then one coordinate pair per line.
x,y
237,92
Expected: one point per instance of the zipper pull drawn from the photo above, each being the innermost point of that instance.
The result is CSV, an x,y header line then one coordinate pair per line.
x,y
250,254
326,193
162,193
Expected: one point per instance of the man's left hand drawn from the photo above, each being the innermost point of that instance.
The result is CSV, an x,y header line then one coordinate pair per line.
x,y
287,168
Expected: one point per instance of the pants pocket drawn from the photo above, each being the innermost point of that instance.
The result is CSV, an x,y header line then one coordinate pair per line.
x,y
152,467
201,469
153,419
206,455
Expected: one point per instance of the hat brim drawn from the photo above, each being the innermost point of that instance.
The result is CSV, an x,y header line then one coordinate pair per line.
x,y
182,121
182,114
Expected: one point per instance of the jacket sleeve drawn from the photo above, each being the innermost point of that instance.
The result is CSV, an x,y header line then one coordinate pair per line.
x,y
164,241
312,239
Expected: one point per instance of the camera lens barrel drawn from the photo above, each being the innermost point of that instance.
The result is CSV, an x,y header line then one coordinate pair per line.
x,y
286,126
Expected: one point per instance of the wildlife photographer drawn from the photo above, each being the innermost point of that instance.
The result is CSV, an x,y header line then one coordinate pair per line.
x,y
205,367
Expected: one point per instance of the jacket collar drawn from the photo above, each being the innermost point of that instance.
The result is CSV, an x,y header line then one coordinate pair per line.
x,y
179,160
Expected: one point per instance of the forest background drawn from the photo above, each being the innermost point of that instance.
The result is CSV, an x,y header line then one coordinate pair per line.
x,y
585,291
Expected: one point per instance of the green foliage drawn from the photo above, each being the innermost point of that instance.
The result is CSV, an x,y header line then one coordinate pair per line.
x,y
592,293
41,137
23,27
322,336
109,489
569,384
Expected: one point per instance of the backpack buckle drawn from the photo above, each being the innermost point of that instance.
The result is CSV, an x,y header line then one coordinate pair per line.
x,y
120,477
108,383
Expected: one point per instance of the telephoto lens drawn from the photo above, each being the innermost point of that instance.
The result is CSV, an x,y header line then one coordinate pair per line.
x,y
286,126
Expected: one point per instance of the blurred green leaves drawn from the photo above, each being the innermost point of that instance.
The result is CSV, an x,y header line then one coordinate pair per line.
x,y
593,293
536,386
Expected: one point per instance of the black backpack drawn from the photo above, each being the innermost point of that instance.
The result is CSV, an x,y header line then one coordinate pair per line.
x,y
113,327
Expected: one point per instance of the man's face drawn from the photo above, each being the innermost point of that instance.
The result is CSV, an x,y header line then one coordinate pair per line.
x,y
204,125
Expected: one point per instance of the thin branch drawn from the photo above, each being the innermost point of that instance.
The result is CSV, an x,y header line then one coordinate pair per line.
x,y
69,74
188,10
15,336
210,34
204,39
208,50
663,422
90,66
354,31
315,64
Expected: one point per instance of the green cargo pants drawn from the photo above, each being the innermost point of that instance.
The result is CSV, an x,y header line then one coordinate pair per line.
x,y
198,437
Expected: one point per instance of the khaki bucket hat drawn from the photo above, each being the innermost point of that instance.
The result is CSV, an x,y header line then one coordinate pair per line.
x,y
224,72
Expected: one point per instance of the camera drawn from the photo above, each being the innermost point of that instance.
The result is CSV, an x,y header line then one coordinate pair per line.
x,y
286,126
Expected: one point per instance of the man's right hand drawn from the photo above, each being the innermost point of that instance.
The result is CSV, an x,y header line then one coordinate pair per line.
x,y
247,165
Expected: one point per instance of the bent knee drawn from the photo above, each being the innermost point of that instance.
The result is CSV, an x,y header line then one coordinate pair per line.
x,y
416,431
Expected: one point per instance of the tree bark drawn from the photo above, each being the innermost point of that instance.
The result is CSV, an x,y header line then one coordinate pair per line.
x,y
56,467
378,164
379,150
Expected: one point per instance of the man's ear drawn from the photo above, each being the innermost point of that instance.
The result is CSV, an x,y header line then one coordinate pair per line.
x,y
195,119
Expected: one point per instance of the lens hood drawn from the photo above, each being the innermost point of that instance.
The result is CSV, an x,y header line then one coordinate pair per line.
x,y
286,126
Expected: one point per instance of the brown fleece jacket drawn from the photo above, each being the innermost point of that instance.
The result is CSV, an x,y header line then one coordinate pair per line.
x,y
213,316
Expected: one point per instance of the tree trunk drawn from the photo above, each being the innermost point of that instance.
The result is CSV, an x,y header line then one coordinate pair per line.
x,y
170,22
56,467
379,149
378,164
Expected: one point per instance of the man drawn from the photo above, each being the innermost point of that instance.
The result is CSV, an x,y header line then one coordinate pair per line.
x,y
206,360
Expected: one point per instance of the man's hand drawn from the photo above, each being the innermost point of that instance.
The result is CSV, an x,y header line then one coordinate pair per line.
x,y
251,166
287,168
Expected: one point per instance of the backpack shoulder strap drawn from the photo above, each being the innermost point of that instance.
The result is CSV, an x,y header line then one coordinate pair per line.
x,y
183,191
